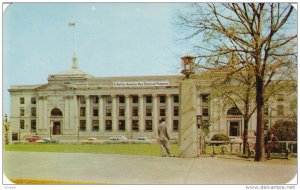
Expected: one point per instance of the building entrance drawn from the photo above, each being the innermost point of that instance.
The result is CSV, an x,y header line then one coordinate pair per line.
x,y
56,128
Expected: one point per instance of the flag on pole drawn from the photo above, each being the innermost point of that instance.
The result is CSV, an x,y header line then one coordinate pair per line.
x,y
71,24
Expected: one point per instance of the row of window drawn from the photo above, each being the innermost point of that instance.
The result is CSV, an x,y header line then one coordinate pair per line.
x,y
33,100
32,125
162,111
121,125
108,125
121,99
134,111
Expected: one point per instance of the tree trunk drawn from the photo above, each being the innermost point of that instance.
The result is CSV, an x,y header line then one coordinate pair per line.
x,y
260,148
245,134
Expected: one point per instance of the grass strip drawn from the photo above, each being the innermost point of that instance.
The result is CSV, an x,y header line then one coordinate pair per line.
x,y
51,182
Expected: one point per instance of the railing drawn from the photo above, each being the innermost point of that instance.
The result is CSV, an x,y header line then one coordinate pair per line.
x,y
291,146
222,143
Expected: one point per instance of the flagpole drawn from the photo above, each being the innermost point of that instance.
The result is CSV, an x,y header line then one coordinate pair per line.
x,y
73,24
75,39
75,64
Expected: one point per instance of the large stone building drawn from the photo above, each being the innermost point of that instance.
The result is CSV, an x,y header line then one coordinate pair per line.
x,y
75,104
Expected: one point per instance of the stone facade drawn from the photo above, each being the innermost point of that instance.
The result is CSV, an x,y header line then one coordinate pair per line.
x,y
74,103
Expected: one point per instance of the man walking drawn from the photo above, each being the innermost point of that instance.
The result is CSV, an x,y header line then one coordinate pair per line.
x,y
163,138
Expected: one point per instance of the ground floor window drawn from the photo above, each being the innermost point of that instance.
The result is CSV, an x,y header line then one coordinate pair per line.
x,y
95,125
15,136
82,125
175,125
22,124
33,125
135,125
108,125
121,125
148,125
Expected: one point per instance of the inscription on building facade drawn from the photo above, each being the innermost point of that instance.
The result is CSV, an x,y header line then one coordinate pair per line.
x,y
141,83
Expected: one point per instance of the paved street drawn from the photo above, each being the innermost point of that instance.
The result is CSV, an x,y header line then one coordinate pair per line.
x,y
127,169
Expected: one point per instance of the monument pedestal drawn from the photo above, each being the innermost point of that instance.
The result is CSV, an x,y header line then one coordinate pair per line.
x,y
188,143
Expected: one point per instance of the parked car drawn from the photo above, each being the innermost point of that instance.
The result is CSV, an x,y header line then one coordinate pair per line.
x,y
122,137
40,141
141,140
34,138
48,140
116,140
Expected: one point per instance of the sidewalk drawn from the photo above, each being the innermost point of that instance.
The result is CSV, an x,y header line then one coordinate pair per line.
x,y
127,169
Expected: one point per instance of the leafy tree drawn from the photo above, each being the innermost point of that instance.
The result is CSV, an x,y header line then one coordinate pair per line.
x,y
261,35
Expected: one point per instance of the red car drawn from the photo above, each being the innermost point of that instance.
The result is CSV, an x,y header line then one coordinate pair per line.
x,y
34,138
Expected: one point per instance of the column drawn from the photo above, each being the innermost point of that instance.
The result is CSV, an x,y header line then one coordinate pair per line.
x,y
228,128
101,115
169,112
45,113
39,112
155,114
114,114
141,113
75,114
127,114
66,115
87,113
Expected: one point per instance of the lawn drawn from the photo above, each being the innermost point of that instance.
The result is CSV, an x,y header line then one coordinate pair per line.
x,y
129,149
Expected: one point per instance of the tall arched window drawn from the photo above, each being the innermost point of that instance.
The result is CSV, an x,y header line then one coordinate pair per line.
x,y
56,112
234,111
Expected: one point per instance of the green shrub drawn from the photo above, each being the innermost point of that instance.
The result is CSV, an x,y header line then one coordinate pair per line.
x,y
285,130
220,137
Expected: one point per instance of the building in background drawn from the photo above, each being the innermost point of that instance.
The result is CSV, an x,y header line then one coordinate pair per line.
x,y
74,103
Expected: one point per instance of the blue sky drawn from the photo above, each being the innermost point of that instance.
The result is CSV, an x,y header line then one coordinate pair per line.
x,y
113,39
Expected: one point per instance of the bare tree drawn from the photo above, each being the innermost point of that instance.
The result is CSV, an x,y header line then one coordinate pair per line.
x,y
262,35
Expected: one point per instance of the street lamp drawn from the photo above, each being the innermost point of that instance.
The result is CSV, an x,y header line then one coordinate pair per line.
x,y
201,135
50,133
187,65
199,119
